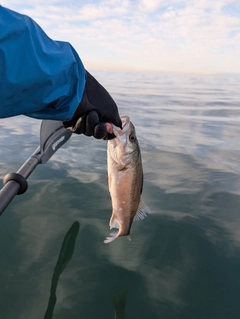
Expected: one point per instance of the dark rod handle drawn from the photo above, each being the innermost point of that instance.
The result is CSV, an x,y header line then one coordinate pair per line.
x,y
7,193
16,183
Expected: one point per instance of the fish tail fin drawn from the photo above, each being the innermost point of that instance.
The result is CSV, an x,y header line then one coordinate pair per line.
x,y
142,212
113,235
114,223
119,231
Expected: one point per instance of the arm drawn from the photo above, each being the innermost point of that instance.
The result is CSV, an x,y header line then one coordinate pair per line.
x,y
39,77
46,79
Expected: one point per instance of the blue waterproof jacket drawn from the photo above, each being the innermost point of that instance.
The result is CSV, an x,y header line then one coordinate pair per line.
x,y
39,77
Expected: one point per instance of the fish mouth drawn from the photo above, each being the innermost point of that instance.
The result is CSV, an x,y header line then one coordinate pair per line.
x,y
125,120
125,126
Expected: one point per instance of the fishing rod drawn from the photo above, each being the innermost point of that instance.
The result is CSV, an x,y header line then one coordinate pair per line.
x,y
52,136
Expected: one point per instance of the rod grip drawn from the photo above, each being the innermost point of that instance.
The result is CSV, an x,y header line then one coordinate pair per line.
x,y
17,178
7,193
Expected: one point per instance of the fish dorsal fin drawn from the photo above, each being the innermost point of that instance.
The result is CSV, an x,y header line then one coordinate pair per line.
x,y
142,212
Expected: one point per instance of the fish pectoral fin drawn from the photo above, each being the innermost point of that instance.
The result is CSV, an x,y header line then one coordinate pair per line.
x,y
113,235
142,212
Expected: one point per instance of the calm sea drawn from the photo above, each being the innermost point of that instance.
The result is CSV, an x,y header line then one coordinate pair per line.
x,y
184,259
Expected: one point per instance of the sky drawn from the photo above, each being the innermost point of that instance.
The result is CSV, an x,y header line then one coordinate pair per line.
x,y
196,36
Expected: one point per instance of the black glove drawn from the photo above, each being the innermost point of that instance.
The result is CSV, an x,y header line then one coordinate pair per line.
x,y
95,109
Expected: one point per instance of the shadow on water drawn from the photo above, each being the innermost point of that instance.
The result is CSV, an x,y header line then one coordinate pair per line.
x,y
65,256
118,302
67,249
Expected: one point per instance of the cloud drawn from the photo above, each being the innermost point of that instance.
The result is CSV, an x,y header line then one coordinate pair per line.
x,y
150,5
192,36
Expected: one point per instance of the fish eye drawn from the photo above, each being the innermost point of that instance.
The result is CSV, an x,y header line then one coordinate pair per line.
x,y
132,138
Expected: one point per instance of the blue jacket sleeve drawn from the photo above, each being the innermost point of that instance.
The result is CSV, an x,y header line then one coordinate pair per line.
x,y
39,77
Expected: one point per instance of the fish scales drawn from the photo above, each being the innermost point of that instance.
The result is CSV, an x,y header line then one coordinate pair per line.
x,y
125,179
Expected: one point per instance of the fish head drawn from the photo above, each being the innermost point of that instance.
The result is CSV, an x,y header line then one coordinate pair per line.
x,y
124,148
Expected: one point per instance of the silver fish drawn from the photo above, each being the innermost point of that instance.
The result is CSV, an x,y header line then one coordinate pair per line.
x,y
125,180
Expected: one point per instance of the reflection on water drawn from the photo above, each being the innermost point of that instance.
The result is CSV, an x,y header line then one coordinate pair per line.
x,y
183,261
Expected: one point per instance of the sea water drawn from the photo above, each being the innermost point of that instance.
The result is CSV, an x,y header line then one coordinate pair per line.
x,y
183,260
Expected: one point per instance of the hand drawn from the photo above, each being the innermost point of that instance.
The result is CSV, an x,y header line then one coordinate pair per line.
x,y
95,110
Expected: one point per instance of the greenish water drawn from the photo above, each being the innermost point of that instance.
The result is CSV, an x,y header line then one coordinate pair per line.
x,y
184,259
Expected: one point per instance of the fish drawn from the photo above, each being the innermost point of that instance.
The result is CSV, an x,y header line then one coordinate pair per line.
x,y
125,180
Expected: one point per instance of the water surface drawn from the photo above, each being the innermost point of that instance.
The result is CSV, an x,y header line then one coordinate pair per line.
x,y
183,260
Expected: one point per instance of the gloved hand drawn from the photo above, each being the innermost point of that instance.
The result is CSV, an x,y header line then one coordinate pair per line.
x,y
95,109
